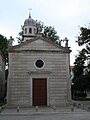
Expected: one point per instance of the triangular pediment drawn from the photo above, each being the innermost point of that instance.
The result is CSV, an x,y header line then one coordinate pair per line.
x,y
38,43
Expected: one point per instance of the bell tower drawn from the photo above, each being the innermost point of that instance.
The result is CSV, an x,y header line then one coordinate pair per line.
x,y
29,28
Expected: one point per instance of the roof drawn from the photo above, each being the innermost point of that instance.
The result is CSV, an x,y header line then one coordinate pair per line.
x,y
65,49
29,22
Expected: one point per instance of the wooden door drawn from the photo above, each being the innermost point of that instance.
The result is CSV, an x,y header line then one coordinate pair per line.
x,y
39,92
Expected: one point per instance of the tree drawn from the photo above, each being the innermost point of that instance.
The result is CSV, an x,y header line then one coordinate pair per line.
x,y
82,83
81,72
79,64
3,48
3,45
78,72
50,33
84,39
47,32
20,38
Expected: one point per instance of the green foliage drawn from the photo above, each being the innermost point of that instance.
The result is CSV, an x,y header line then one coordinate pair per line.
x,y
3,45
84,39
50,33
40,26
82,83
79,64
20,38
81,72
84,36
79,80
47,32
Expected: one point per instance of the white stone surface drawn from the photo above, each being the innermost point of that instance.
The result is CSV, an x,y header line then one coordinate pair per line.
x,y
22,70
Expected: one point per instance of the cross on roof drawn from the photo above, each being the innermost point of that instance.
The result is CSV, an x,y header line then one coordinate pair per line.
x,y
30,12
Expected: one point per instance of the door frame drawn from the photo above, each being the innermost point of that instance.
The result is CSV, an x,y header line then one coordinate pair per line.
x,y
33,95
37,76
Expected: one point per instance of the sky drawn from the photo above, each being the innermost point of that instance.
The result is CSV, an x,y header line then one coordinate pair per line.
x,y
66,16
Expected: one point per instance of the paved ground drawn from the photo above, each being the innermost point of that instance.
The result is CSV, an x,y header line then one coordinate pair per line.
x,y
60,116
44,114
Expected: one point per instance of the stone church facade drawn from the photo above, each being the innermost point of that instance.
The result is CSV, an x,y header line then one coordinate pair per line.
x,y
38,71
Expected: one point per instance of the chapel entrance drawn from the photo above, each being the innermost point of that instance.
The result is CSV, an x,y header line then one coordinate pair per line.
x,y
39,92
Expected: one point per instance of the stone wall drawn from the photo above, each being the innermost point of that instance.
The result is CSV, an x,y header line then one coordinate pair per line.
x,y
22,69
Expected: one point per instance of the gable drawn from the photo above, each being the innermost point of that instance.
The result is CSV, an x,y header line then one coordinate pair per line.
x,y
38,44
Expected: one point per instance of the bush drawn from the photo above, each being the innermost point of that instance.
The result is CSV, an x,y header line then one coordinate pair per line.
x,y
80,94
81,99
